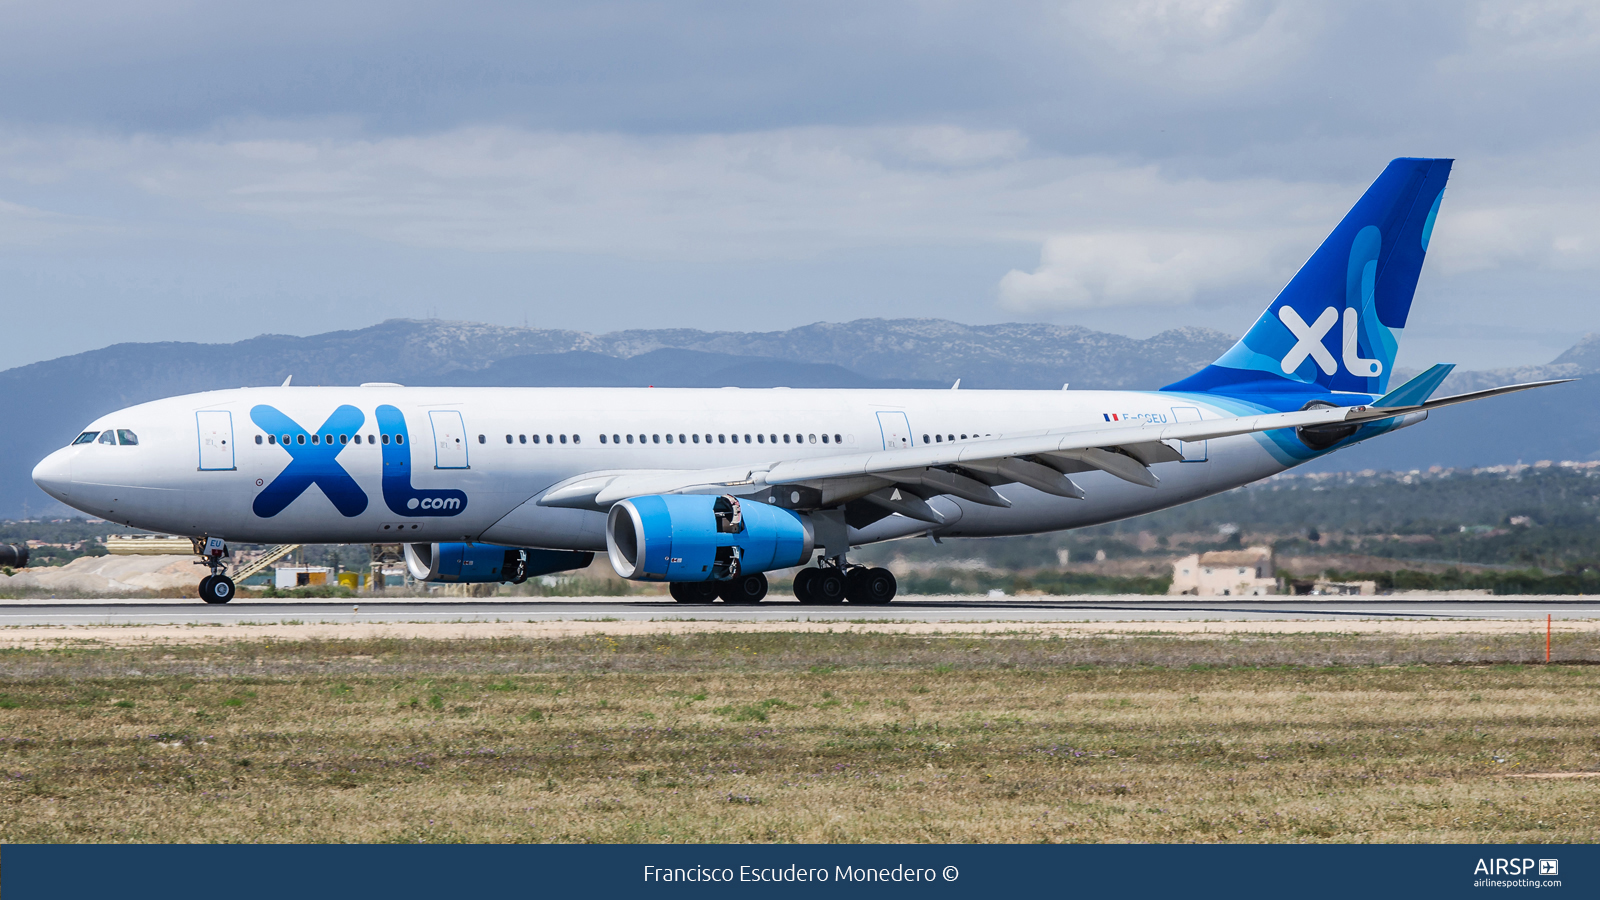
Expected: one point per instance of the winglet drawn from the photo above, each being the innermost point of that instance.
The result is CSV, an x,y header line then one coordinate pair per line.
x,y
1417,390
286,381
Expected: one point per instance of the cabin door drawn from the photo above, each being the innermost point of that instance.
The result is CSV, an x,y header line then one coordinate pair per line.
x,y
449,439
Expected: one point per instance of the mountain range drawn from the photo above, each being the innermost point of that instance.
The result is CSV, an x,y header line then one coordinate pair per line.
x,y
48,402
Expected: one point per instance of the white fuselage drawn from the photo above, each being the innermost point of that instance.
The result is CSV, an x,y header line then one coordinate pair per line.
x,y
203,461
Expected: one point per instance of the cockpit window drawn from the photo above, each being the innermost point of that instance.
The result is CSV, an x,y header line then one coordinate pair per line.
x,y
126,438
108,437
86,438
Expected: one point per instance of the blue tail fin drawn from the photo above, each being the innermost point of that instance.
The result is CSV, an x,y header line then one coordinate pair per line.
x,y
1337,325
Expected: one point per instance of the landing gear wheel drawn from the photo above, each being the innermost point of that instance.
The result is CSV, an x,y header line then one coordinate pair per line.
x,y
217,589
745,590
693,591
803,580
827,586
870,587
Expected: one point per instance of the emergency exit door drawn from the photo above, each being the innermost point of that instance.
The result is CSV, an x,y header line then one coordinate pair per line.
x,y
896,430
449,439
216,439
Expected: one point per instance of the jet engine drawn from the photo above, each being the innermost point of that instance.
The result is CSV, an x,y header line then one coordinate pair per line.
x,y
678,537
481,563
14,555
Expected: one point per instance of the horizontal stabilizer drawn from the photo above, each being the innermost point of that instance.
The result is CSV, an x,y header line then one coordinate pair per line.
x,y
1418,389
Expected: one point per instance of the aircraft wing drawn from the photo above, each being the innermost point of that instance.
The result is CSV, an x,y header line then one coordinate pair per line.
x,y
903,480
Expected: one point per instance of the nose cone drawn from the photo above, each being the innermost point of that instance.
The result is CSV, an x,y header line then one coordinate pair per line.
x,y
53,475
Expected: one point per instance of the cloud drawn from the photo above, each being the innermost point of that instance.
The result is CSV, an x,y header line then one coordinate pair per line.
x,y
1086,270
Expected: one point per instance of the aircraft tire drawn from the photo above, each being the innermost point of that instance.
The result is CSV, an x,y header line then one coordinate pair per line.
x,y
218,589
693,591
744,591
802,585
205,588
828,587
870,587
878,587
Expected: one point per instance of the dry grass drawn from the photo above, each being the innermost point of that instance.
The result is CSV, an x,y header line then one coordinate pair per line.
x,y
861,737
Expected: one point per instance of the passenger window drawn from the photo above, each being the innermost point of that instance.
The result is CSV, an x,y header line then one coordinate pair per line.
x,y
616,439
697,439
549,439
536,439
630,438
747,439
951,437
682,439
722,439
963,437
577,439
938,439
386,439
761,439
522,439
658,438
315,438
925,440
813,439
508,438
109,437
786,439
708,438
399,439
838,439
86,438
482,439
356,438
602,439
258,438
824,439
669,438
563,439
272,439
344,439
371,439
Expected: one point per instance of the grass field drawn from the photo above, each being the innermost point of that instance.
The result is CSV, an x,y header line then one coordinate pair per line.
x,y
813,737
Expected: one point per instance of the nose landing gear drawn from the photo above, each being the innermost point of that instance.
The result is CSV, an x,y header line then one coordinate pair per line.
x,y
216,587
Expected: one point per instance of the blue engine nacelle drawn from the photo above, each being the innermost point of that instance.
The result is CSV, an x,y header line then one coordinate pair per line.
x,y
681,537
480,563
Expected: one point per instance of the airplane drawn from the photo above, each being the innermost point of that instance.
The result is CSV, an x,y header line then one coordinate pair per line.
x,y
708,489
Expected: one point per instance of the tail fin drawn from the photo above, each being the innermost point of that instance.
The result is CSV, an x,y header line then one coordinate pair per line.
x,y
1337,325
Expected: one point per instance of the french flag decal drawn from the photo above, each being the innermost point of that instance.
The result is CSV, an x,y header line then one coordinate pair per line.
x,y
1111,417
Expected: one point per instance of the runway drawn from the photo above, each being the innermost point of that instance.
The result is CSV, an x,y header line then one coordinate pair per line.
x,y
944,610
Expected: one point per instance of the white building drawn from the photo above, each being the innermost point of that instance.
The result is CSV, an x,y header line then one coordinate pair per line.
x,y
1226,573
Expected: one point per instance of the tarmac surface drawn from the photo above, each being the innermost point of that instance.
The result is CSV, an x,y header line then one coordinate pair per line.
x,y
910,609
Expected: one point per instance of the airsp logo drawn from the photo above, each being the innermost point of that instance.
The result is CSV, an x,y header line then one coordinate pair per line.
x,y
1308,343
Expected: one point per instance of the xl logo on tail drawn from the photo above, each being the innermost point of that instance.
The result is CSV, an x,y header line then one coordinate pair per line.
x,y
1308,343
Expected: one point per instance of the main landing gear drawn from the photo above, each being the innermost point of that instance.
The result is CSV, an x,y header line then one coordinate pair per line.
x,y
745,589
836,584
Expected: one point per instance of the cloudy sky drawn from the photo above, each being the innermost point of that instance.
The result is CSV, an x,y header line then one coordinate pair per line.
x,y
206,171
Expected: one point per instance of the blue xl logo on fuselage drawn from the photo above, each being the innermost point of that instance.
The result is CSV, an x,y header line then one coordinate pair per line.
x,y
313,461
401,498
